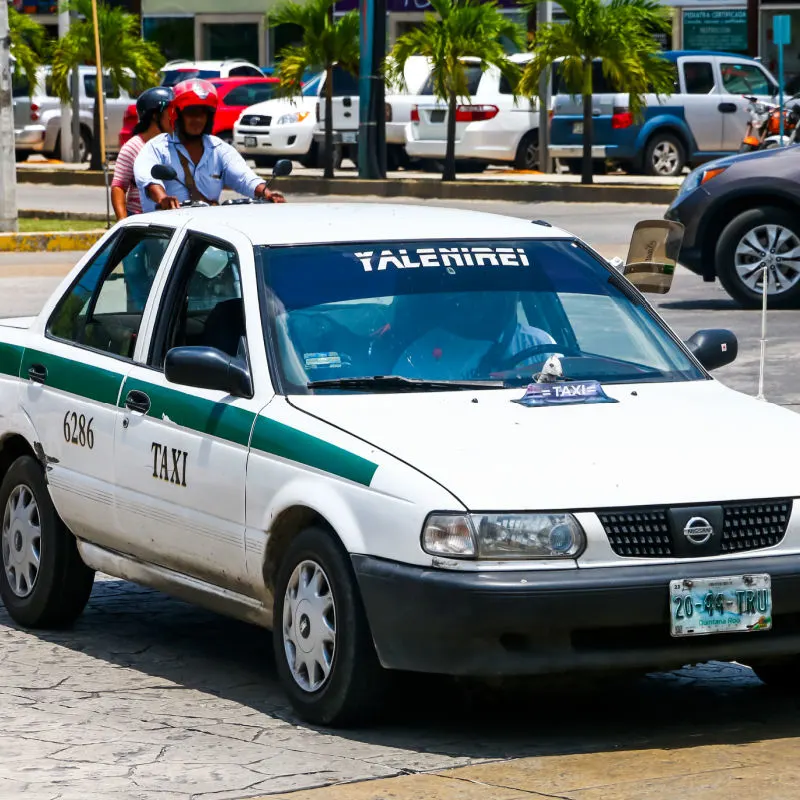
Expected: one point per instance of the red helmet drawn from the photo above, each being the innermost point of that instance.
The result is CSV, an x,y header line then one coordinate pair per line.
x,y
190,93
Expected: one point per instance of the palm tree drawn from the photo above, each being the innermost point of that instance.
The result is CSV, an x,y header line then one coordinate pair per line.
x,y
325,43
454,31
127,59
28,45
621,34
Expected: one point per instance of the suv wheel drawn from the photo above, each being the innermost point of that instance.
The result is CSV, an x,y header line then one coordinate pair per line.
x,y
527,157
664,156
43,582
757,238
323,647
779,675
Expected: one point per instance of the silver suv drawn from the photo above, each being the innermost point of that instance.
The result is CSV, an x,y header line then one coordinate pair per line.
x,y
37,114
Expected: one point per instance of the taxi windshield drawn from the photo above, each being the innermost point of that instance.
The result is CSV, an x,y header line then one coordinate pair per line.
x,y
433,312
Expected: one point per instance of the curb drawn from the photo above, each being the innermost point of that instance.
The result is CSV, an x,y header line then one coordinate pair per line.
x,y
424,189
49,242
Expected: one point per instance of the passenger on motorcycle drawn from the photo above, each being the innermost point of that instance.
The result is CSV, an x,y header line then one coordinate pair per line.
x,y
204,164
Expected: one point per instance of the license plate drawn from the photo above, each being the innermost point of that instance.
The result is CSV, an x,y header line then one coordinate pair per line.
x,y
250,141
349,137
734,604
577,128
437,115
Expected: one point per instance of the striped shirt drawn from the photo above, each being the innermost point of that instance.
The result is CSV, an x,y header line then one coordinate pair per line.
x,y
123,173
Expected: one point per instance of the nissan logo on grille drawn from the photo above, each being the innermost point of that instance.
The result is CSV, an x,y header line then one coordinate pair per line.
x,y
698,530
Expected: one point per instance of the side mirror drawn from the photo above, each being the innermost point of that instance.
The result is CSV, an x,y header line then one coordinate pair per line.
x,y
653,255
713,347
163,172
208,368
282,168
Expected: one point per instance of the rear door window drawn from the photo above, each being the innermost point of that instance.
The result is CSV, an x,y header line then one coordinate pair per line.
x,y
698,77
742,78
249,94
474,73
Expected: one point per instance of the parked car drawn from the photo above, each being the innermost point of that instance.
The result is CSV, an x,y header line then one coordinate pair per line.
x,y
491,126
284,127
399,100
235,95
182,70
740,213
37,114
704,118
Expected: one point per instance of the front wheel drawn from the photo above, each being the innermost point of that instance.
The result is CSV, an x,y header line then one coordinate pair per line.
x,y
43,582
324,653
761,238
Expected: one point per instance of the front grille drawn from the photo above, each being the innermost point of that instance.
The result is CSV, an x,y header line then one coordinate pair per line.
x,y
750,526
256,121
635,533
645,533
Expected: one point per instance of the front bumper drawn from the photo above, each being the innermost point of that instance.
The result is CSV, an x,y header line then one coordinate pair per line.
x,y
554,621
278,140
690,210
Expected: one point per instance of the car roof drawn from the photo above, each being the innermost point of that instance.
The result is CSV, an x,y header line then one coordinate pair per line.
x,y
227,83
673,54
323,223
181,63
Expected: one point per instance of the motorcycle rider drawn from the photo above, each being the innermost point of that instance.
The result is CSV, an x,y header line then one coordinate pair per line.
x,y
204,164
151,109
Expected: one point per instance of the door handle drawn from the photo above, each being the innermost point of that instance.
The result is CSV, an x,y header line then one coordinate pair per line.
x,y
37,373
137,401
728,108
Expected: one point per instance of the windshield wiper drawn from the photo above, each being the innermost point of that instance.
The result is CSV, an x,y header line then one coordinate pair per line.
x,y
398,382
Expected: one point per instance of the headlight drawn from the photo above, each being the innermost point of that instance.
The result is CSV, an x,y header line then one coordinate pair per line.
x,y
288,119
698,177
503,536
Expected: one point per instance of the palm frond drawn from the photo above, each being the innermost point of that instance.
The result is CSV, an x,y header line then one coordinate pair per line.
x,y
28,45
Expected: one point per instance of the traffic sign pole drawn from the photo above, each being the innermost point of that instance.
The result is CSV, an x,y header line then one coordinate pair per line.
x,y
781,36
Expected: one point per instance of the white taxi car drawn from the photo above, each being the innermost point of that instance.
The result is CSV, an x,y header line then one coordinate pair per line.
x,y
403,438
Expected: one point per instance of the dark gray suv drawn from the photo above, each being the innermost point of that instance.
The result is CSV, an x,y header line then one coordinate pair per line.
x,y
741,213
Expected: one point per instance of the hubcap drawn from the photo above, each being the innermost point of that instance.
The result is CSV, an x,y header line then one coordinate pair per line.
x,y
21,541
665,158
309,626
531,156
771,246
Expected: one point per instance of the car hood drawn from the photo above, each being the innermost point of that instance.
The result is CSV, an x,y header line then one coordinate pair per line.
x,y
691,442
282,105
775,156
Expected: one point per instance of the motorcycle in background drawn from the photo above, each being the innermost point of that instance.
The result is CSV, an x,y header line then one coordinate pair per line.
x,y
757,124
790,126
763,126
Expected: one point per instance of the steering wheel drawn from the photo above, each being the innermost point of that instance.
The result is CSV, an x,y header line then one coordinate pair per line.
x,y
535,349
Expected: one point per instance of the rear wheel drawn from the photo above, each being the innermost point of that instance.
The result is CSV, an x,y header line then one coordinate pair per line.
x,y
780,675
264,162
323,647
527,156
84,147
761,236
664,156
43,582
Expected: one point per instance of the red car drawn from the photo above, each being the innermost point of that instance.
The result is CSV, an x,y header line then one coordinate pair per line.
x,y
235,95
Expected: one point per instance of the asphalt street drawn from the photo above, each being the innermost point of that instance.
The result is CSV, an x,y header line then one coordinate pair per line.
x,y
148,698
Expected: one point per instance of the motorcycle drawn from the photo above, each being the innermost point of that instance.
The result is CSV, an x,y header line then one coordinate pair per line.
x,y
791,123
164,172
763,126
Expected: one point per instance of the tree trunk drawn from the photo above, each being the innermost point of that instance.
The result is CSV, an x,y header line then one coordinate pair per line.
x,y
586,166
328,155
96,162
449,173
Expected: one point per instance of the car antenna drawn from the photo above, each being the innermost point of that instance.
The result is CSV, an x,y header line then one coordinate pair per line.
x,y
762,359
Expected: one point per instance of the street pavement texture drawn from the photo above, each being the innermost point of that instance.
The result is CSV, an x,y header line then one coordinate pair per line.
x,y
148,698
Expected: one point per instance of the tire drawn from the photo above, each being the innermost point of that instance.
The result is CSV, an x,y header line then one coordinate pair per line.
x,y
311,158
85,147
351,691
779,675
759,225
664,156
469,166
527,156
54,594
264,162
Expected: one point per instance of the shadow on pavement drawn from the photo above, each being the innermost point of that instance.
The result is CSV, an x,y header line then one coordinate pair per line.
x,y
129,626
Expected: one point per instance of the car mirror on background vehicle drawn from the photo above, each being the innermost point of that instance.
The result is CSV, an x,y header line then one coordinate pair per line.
x,y
208,368
713,347
163,172
282,168
653,255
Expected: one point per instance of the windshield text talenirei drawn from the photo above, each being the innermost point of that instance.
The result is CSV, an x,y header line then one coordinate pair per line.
x,y
443,257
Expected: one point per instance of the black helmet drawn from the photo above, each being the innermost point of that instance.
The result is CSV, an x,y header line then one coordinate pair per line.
x,y
151,103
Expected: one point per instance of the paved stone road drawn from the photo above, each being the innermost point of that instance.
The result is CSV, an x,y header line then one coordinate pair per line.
x,y
148,698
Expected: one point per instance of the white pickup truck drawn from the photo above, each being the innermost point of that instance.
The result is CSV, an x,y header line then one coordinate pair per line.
x,y
403,438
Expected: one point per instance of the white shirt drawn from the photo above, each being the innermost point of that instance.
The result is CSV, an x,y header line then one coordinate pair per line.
x,y
220,167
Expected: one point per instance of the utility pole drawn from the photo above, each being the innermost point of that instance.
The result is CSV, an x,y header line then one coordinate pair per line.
x,y
75,91
66,110
8,159
372,94
545,14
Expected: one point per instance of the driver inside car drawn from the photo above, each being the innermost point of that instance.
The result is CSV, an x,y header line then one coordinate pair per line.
x,y
469,335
